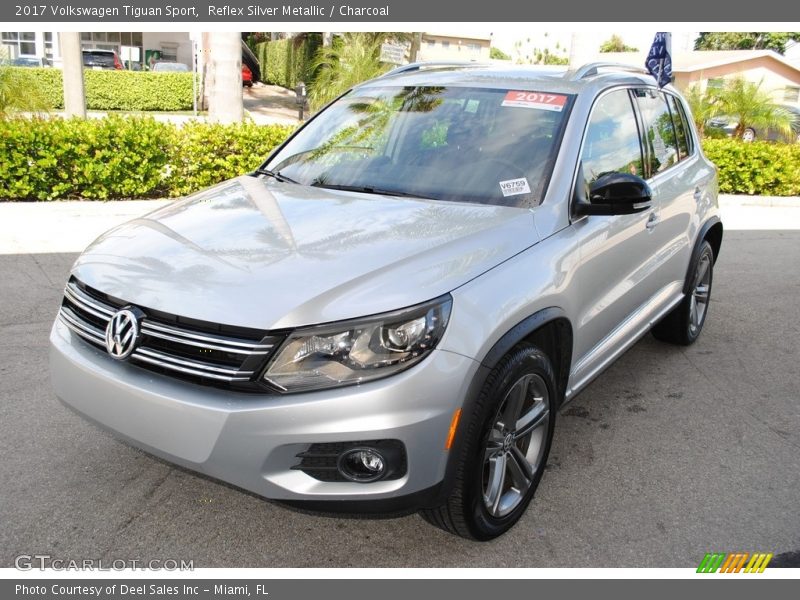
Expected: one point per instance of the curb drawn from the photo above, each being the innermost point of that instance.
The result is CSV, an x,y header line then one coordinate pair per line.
x,y
759,201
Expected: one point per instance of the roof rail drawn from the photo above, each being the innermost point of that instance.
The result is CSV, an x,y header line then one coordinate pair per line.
x,y
420,66
591,69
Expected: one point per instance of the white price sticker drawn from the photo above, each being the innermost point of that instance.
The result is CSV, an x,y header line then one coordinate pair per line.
x,y
515,187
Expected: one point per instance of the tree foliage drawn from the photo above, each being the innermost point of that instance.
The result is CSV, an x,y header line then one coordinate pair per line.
x,y
17,94
703,105
351,59
497,54
751,107
616,44
736,40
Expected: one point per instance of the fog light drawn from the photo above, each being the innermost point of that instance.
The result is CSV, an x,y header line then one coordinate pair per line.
x,y
362,465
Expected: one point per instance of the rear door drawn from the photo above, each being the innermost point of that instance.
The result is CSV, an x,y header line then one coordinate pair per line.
x,y
678,179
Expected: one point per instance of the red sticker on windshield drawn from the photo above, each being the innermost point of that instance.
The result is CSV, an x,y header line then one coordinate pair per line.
x,y
540,100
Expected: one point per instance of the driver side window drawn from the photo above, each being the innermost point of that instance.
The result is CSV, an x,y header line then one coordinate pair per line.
x,y
612,142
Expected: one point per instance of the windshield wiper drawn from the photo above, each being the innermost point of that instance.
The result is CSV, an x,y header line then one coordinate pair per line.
x,y
277,175
366,189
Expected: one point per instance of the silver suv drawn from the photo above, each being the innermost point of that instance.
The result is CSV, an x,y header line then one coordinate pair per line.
x,y
388,314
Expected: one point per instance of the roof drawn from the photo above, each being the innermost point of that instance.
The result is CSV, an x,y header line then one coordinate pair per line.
x,y
503,76
460,33
699,60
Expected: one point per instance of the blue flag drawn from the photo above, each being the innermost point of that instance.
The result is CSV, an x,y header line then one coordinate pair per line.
x,y
659,61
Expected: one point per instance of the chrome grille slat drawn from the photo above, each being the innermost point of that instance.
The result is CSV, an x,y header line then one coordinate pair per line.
x,y
183,333
169,348
188,371
148,329
82,329
86,302
192,364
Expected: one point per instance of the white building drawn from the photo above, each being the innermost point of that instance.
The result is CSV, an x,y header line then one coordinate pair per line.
x,y
174,46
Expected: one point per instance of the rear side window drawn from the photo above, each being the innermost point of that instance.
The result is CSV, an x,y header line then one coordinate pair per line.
x,y
660,136
612,142
681,126
105,59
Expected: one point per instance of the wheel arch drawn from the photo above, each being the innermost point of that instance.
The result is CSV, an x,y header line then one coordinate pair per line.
x,y
711,231
551,331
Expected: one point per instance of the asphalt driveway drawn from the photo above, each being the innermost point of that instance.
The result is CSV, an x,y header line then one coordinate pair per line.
x,y
671,453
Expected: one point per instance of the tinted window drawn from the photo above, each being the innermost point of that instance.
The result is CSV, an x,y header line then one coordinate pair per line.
x,y
101,59
662,147
612,138
492,146
681,130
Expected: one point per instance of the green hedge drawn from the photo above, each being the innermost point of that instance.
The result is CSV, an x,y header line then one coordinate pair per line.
x,y
285,62
757,168
125,157
134,157
116,90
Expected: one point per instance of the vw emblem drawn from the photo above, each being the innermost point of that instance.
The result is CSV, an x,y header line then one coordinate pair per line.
x,y
122,334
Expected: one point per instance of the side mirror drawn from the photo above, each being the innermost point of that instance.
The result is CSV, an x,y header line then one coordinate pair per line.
x,y
614,194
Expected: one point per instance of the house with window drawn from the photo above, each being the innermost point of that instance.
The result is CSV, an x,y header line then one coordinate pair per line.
x,y
710,68
134,47
444,46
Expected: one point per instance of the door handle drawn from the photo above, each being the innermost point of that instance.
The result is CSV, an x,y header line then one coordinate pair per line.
x,y
698,194
652,221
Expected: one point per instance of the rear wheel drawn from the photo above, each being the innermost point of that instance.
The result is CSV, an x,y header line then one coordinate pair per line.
x,y
683,325
749,135
503,459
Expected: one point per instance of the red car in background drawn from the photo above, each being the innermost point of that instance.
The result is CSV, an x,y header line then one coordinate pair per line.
x,y
247,76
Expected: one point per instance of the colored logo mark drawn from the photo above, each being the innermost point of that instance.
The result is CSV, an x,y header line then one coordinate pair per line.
x,y
735,562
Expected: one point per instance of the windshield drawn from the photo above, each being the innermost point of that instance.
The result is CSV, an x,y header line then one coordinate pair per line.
x,y
490,146
168,66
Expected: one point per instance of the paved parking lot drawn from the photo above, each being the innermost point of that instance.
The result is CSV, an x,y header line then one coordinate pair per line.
x,y
671,453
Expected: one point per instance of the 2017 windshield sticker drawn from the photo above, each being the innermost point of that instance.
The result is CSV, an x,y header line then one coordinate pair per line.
x,y
515,187
540,100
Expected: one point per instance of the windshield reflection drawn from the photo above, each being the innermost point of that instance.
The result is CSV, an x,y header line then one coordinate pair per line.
x,y
459,144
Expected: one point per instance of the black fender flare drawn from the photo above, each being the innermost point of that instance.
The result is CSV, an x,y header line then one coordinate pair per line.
x,y
701,235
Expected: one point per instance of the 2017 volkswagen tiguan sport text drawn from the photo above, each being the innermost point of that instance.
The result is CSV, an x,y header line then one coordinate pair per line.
x,y
387,315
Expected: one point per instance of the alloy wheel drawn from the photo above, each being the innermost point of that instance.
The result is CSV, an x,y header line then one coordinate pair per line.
x,y
516,444
698,304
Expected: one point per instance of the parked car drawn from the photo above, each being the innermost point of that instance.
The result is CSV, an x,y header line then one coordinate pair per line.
x,y
388,314
247,76
727,126
102,60
166,66
28,61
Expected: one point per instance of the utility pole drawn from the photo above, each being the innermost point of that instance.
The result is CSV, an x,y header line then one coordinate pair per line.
x,y
72,57
225,74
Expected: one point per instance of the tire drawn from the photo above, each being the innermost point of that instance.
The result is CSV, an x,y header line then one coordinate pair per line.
x,y
683,325
749,135
487,498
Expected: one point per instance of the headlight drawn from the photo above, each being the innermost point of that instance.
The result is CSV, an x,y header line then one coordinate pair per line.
x,y
360,350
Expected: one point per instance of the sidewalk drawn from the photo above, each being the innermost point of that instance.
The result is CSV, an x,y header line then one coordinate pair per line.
x,y
264,104
70,226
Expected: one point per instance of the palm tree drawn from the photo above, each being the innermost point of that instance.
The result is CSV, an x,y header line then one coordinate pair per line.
x,y
703,105
751,107
17,94
352,59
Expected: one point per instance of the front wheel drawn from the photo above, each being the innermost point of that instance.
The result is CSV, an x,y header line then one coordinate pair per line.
x,y
503,459
749,135
683,325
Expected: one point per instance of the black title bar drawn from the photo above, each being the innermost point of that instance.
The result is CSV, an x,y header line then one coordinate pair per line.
x,y
385,11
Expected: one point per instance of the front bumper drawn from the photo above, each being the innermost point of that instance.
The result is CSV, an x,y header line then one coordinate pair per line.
x,y
251,441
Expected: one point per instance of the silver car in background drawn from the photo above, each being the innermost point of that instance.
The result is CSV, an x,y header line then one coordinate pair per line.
x,y
388,314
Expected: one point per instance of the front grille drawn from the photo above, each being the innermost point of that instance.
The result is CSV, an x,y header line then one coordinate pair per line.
x,y
197,351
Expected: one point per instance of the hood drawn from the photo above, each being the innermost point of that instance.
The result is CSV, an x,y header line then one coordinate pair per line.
x,y
257,253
